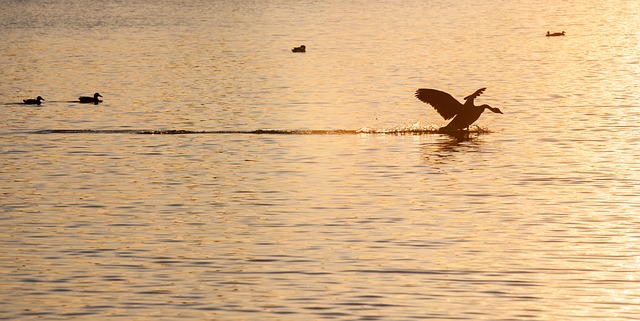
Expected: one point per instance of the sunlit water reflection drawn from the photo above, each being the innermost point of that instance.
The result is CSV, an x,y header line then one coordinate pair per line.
x,y
226,178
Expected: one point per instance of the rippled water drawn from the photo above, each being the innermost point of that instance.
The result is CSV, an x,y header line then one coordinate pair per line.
x,y
226,178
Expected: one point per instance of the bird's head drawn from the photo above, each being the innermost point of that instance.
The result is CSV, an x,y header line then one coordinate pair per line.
x,y
96,95
493,109
39,98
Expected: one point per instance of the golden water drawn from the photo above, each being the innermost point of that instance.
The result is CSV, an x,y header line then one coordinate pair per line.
x,y
167,201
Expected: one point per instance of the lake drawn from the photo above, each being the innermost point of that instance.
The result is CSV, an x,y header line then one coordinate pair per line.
x,y
225,177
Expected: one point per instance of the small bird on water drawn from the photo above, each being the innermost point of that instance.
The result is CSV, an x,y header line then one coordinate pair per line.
x,y
302,48
555,34
36,101
90,100
448,107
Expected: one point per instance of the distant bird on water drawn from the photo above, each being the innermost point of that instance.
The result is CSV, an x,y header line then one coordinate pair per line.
x,y
90,100
555,34
36,101
448,107
302,48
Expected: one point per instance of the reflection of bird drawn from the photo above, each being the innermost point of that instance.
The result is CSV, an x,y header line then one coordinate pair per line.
x,y
36,101
90,100
555,34
302,48
448,107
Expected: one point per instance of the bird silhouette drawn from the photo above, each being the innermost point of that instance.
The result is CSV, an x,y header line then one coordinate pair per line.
x,y
90,100
36,101
555,34
448,107
302,48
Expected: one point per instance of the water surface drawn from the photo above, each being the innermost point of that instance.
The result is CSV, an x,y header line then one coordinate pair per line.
x,y
226,178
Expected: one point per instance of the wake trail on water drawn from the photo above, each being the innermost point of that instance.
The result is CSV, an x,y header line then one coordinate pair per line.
x,y
403,130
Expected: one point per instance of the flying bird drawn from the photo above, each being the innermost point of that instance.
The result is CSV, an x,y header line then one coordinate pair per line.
x,y
448,107
90,100
36,101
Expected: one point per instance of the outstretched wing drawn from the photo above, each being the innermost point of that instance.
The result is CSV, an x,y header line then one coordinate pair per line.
x,y
443,103
475,94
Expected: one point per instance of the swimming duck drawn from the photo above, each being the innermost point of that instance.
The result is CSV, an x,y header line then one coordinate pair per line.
x,y
36,101
90,100
448,107
555,34
302,48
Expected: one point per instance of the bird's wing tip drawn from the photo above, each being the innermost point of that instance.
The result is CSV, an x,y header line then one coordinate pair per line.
x,y
476,93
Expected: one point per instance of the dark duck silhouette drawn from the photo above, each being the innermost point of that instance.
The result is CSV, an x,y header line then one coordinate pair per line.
x,y
555,34
36,101
448,107
90,100
302,48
